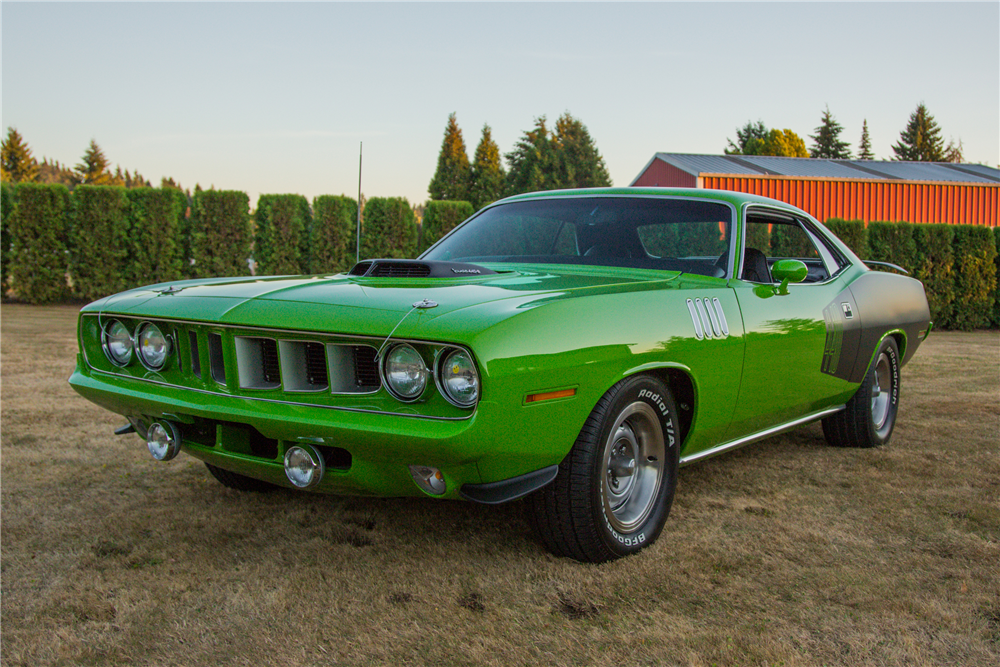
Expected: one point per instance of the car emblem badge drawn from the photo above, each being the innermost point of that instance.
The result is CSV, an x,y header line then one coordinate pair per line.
x,y
426,303
848,313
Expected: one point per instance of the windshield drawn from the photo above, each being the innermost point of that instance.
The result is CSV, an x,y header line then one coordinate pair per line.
x,y
639,232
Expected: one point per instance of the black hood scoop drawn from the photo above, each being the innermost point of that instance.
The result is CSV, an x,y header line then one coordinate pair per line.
x,y
415,268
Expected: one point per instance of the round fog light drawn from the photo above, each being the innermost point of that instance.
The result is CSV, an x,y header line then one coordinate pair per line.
x,y
163,440
304,466
429,479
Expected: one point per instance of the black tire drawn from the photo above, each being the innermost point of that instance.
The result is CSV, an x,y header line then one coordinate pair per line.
x,y
870,415
615,488
237,481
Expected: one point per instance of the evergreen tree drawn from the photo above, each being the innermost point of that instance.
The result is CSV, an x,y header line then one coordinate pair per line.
x,y
826,141
94,168
154,240
390,229
99,241
38,228
532,165
220,233
282,242
16,162
7,193
865,145
332,237
55,173
486,182
921,140
749,139
451,180
579,163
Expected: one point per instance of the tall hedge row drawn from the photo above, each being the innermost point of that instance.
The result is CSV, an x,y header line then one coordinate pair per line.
x,y
892,242
99,240
184,215
154,236
996,264
389,229
332,236
975,277
282,239
6,208
38,234
221,236
852,232
440,217
935,262
958,265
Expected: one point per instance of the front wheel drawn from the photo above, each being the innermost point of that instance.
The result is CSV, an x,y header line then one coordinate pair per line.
x,y
614,489
870,415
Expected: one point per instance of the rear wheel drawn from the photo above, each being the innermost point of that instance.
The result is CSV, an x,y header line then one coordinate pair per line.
x,y
614,489
239,482
870,415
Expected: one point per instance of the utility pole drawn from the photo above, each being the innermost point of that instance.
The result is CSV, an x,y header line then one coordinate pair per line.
x,y
357,257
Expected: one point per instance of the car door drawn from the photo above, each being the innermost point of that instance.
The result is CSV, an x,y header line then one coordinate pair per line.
x,y
787,337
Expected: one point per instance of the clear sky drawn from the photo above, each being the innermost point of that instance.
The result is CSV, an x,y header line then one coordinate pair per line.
x,y
275,98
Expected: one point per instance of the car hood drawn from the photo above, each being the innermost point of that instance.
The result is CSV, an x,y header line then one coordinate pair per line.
x,y
368,306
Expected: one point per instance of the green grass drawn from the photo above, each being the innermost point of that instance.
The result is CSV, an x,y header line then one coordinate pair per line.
x,y
787,552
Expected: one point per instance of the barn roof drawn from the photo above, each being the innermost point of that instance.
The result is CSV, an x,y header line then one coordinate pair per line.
x,y
754,165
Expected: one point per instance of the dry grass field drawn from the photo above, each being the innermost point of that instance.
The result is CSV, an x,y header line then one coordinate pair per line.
x,y
787,552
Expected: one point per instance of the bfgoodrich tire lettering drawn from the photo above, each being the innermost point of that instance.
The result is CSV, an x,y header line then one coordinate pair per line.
x,y
870,415
614,489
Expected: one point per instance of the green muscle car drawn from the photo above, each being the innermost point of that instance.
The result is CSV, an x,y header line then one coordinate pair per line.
x,y
573,348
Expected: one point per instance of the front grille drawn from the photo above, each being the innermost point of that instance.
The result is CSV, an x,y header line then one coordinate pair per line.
x,y
269,361
195,355
216,363
365,367
315,365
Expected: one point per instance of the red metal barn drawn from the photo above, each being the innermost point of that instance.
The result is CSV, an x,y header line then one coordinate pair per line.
x,y
850,189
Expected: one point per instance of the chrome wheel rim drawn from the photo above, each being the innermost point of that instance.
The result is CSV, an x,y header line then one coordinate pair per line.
x,y
881,390
632,467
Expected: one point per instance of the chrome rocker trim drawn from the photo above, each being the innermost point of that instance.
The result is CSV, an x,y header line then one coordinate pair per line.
x,y
760,435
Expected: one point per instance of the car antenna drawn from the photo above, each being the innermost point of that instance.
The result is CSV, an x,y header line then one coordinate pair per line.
x,y
357,256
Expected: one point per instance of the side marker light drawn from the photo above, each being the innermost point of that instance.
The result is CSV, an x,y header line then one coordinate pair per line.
x,y
550,395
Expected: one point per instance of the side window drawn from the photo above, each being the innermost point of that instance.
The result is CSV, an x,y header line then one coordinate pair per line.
x,y
769,239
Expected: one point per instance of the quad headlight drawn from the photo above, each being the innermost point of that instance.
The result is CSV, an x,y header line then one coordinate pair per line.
x,y
153,347
458,378
404,372
117,343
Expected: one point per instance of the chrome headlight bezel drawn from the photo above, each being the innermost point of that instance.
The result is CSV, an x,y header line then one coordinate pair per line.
x,y
107,343
418,366
442,365
160,359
